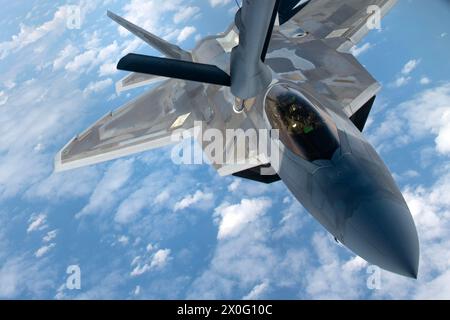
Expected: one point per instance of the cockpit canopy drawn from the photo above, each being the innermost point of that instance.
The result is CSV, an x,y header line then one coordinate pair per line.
x,y
303,128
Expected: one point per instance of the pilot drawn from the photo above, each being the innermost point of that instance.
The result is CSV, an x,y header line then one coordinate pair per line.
x,y
299,120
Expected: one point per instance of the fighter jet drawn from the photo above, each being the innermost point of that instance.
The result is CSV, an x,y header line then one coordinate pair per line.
x,y
284,66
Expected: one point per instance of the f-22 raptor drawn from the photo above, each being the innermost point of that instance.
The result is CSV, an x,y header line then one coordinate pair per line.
x,y
283,65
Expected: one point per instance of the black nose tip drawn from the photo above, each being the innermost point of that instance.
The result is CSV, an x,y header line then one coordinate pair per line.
x,y
382,231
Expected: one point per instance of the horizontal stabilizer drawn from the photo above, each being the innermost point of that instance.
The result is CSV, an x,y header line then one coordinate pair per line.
x,y
174,69
136,80
167,49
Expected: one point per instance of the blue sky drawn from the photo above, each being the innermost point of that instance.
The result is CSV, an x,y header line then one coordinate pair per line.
x,y
142,227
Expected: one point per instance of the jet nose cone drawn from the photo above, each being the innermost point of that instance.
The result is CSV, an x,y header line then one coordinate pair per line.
x,y
383,232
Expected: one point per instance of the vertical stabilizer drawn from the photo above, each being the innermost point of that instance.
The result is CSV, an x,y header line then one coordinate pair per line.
x,y
167,49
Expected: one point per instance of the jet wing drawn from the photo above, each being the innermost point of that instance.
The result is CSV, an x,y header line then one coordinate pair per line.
x,y
344,21
143,124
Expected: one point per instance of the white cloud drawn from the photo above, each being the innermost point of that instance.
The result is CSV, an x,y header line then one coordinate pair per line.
x,y
96,87
107,192
359,50
137,290
8,280
425,81
66,54
186,14
401,81
232,219
39,147
162,197
108,51
19,275
185,33
3,98
410,66
82,60
133,205
436,289
37,222
411,174
355,264
218,3
431,208
248,261
332,278
65,185
29,35
234,185
427,114
95,56
160,258
50,236
9,84
44,250
404,77
190,200
38,111
135,261
158,261
124,240
107,69
153,192
257,292
137,201
292,221
140,270
130,46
